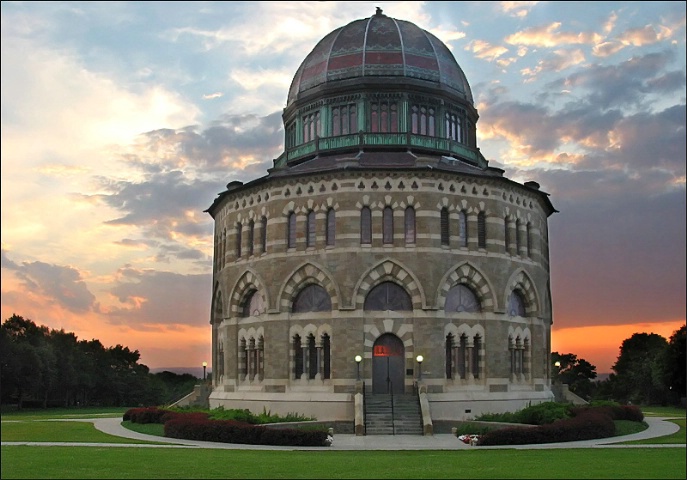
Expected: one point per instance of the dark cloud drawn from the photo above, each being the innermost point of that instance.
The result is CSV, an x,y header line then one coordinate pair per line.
x,y
60,284
617,252
627,84
153,297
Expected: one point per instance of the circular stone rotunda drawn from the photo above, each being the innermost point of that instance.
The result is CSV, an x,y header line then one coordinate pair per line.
x,y
381,275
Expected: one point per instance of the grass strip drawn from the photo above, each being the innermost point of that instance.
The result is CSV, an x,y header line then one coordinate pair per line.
x,y
51,431
143,463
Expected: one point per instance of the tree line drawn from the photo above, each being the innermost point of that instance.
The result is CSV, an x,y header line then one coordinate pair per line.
x,y
46,367
42,367
649,370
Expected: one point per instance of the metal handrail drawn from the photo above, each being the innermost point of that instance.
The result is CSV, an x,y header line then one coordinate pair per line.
x,y
364,410
393,419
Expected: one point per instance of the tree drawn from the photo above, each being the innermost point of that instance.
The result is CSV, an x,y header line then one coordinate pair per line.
x,y
673,362
639,370
577,373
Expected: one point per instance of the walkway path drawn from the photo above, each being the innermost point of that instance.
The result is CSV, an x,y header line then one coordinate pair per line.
x,y
658,427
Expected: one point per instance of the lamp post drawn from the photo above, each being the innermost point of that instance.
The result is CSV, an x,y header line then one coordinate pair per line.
x,y
419,359
557,364
358,359
205,365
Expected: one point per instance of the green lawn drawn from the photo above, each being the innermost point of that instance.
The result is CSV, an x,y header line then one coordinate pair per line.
x,y
127,462
169,462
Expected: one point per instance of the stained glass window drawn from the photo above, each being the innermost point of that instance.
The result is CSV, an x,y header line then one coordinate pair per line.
x,y
254,305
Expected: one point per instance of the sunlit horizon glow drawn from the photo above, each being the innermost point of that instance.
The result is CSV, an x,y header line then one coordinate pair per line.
x,y
122,121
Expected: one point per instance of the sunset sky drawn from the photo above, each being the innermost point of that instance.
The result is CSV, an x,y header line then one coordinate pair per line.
x,y
122,121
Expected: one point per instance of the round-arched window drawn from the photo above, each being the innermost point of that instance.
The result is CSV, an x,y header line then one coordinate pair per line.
x,y
312,298
388,296
461,298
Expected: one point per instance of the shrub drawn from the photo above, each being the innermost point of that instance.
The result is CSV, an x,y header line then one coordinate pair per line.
x,y
144,415
231,431
587,424
539,414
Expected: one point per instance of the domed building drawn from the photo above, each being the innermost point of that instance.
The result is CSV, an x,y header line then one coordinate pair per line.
x,y
381,259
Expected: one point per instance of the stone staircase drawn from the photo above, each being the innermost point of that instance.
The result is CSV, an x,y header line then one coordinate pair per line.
x,y
406,419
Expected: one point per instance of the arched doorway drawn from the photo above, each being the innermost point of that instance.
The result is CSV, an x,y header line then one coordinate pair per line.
x,y
388,365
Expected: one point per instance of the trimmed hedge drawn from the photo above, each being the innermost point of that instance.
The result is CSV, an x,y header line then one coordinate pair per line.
x,y
231,431
198,426
587,424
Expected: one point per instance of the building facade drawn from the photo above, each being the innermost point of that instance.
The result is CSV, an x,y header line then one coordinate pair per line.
x,y
381,232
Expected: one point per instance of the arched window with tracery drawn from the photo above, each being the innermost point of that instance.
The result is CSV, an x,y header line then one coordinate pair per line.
x,y
365,225
253,305
383,117
444,227
388,225
388,296
409,224
461,298
312,298
516,304
291,230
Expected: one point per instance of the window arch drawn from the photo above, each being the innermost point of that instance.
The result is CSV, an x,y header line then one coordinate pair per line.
x,y
462,228
388,296
312,298
462,356
410,225
310,229
482,230
388,225
365,225
263,235
516,304
461,298
331,227
445,230
311,359
291,231
253,305
238,240
528,239
251,237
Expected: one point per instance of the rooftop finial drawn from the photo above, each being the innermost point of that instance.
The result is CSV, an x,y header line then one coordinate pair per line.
x,y
379,11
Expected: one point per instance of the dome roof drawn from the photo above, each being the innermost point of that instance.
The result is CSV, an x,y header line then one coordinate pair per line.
x,y
380,46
